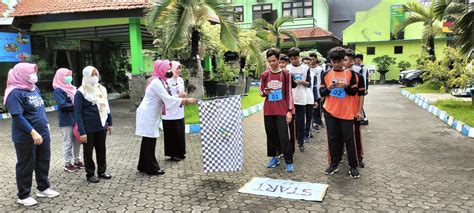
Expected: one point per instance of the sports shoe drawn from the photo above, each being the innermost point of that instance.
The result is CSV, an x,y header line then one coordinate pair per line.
x,y
70,168
306,138
47,193
331,170
301,147
273,162
361,164
322,125
29,201
79,164
290,168
354,173
364,122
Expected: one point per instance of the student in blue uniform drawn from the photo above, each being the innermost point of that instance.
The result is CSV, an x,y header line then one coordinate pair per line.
x,y
30,132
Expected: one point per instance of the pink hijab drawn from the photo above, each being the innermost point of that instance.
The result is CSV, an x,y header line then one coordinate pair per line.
x,y
174,67
58,82
159,69
18,78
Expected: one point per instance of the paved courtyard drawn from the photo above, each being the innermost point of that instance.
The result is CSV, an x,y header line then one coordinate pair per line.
x,y
414,162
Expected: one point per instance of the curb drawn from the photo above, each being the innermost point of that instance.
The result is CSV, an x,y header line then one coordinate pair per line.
x,y
113,96
196,128
459,126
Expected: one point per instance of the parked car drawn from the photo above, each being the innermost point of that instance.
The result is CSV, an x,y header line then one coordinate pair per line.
x,y
411,78
462,92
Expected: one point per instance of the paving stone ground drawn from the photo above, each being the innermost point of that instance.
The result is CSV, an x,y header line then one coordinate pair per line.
x,y
414,163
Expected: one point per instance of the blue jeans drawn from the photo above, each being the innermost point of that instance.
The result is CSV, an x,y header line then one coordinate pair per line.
x,y
31,158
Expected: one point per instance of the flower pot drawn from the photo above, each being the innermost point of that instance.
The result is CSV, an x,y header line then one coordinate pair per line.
x,y
210,87
221,89
231,89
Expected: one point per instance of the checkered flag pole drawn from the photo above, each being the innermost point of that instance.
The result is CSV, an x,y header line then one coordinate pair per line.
x,y
221,134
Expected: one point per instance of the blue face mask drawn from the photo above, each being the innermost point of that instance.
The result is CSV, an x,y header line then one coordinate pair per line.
x,y
68,79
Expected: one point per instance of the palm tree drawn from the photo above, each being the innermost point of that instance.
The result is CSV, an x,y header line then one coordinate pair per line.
x,y
273,33
181,19
462,12
425,15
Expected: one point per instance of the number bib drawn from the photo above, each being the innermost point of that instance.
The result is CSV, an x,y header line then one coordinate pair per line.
x,y
275,95
338,93
298,77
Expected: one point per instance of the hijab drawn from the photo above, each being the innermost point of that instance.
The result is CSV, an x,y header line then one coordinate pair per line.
x,y
19,78
95,93
59,82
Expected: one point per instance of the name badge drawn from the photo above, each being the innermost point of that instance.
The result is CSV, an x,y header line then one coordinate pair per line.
x,y
338,93
275,95
298,77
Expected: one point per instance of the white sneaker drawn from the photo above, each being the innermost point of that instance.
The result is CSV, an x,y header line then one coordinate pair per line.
x,y
47,193
28,201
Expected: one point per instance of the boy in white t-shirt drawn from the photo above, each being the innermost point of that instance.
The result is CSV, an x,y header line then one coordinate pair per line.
x,y
301,75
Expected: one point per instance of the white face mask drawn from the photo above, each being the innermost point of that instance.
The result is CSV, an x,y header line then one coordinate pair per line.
x,y
33,78
93,80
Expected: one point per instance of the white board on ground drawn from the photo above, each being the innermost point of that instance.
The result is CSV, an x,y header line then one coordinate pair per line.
x,y
285,189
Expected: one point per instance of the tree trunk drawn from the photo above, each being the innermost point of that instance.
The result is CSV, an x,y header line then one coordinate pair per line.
x,y
278,43
431,46
382,78
242,79
196,73
472,97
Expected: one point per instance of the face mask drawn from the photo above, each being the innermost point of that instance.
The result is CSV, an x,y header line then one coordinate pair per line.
x,y
169,74
68,79
93,80
33,78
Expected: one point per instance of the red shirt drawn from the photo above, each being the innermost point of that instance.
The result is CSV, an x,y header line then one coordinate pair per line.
x,y
277,81
361,92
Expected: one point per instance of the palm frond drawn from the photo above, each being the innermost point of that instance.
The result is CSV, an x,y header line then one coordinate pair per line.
x,y
440,8
282,20
455,9
261,24
414,18
464,31
157,13
417,9
229,30
178,25
290,36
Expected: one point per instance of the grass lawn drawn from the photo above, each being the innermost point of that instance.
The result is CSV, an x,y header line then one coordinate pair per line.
x,y
191,112
427,87
461,110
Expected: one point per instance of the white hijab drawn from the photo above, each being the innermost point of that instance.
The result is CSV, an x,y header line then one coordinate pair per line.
x,y
95,93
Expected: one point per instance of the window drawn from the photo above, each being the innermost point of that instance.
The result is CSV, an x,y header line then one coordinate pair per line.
x,y
398,50
260,9
370,50
425,2
239,13
298,9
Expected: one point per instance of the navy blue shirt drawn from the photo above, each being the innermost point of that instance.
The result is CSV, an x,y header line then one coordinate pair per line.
x,y
28,112
87,115
66,108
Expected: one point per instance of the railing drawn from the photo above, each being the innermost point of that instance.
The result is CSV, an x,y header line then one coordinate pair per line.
x,y
296,24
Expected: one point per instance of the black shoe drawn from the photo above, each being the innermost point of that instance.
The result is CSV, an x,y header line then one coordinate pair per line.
x,y
364,122
361,164
159,172
354,173
301,147
322,125
105,176
331,170
93,179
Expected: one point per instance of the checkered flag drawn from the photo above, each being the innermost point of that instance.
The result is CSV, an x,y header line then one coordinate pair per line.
x,y
221,134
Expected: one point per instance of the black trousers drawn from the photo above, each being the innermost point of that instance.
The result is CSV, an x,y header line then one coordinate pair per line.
x,y
309,119
292,128
300,117
174,137
340,132
95,140
31,158
358,140
147,161
278,139
317,114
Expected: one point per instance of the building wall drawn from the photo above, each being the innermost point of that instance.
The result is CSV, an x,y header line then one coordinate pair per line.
x,y
342,13
320,13
410,50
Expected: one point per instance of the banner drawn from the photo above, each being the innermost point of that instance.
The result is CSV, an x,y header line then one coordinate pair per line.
x,y
15,47
285,189
221,134
397,16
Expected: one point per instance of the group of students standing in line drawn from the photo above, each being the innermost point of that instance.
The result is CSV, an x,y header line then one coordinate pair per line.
x,y
85,118
299,92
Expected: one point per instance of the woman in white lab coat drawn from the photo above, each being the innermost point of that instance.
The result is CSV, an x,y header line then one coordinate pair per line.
x,y
157,101
173,123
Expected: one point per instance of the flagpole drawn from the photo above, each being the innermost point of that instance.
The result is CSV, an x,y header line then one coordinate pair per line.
x,y
221,97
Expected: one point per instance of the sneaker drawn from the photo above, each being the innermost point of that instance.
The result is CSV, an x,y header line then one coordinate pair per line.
x,y
47,193
361,164
273,162
306,138
322,125
280,156
331,170
79,164
93,179
364,122
354,173
301,147
70,168
29,201
290,168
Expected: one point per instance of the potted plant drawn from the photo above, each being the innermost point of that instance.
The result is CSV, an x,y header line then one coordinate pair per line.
x,y
383,65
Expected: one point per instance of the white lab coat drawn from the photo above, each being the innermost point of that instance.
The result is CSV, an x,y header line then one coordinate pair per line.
x,y
176,87
150,109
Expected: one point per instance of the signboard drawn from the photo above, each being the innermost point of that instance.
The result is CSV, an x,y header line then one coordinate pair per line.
x,y
447,26
285,189
397,16
14,47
